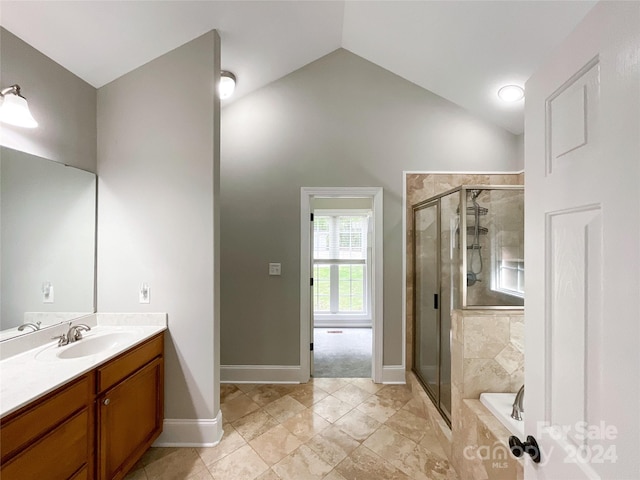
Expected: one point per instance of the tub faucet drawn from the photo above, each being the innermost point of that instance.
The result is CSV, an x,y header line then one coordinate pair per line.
x,y
518,408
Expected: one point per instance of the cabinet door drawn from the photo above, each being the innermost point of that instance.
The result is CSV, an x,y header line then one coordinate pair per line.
x,y
129,420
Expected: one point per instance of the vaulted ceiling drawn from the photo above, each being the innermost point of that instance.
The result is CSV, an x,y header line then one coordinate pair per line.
x,y
461,50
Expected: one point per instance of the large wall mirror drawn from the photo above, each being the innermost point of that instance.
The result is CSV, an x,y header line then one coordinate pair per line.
x,y
47,243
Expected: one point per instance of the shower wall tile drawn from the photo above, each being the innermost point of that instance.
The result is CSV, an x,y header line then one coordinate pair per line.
x,y
485,337
516,332
487,355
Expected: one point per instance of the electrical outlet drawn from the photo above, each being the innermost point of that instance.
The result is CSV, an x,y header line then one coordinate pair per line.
x,y
47,292
144,295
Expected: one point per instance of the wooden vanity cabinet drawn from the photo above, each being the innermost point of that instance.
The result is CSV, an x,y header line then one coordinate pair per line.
x,y
52,438
96,427
129,408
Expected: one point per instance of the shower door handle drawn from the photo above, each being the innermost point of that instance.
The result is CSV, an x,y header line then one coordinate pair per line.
x,y
435,301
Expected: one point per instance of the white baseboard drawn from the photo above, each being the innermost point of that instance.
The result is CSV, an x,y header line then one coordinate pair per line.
x,y
394,374
318,323
190,433
259,374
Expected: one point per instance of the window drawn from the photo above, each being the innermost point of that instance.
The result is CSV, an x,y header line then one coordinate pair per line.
x,y
511,277
340,265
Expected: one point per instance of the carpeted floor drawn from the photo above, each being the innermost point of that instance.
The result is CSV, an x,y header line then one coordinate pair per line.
x,y
342,352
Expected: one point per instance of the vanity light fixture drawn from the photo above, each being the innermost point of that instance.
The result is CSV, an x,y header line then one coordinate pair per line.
x,y
511,93
15,109
227,84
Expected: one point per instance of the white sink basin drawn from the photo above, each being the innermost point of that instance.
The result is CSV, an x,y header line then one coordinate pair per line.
x,y
90,345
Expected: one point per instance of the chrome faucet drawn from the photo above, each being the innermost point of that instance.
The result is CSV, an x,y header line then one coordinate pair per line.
x,y
73,334
35,326
518,405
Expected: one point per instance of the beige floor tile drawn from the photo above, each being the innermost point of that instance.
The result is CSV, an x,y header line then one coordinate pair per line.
x,y
351,394
334,475
390,445
308,394
379,408
231,441
284,408
243,464
333,445
155,453
416,461
421,464
416,406
255,424
363,464
203,475
330,408
178,465
265,394
302,464
229,391
137,474
409,425
358,425
398,393
431,442
305,425
238,407
269,475
275,444
247,387
329,385
366,384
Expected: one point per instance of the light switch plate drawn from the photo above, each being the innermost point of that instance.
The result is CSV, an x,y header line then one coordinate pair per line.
x,y
275,269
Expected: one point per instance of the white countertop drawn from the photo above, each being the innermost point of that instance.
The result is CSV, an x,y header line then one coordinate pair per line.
x,y
31,374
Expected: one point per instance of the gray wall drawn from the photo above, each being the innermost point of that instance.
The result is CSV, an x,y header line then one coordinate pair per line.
x,y
63,104
339,121
158,171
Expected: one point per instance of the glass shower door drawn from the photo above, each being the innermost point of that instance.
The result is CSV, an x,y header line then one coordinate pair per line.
x,y
426,291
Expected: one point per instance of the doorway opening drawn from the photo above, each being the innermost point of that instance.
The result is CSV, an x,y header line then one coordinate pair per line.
x,y
341,287
341,282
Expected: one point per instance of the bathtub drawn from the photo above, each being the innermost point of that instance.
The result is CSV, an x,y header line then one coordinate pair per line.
x,y
500,404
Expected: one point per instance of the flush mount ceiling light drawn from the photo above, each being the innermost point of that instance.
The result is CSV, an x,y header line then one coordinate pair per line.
x,y
227,84
15,109
511,93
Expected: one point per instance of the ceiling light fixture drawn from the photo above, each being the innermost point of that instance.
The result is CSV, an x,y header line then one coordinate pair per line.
x,y
227,84
511,93
15,109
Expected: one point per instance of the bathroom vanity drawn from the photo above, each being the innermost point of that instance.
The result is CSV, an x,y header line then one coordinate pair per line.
x,y
99,422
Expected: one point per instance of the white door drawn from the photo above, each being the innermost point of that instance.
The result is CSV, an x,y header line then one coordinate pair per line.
x,y
311,294
582,184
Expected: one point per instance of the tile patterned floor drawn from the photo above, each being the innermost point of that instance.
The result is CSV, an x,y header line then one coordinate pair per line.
x,y
328,429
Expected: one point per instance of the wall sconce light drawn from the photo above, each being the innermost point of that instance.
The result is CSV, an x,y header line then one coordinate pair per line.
x,y
15,109
227,84
511,93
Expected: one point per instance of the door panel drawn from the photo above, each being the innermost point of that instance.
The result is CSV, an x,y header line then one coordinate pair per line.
x,y
427,286
582,251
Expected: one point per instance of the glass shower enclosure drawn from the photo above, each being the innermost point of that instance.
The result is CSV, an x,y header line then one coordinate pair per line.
x,y
468,252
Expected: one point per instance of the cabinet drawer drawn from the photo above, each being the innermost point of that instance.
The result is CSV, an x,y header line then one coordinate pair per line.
x,y
82,474
25,426
124,365
58,455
